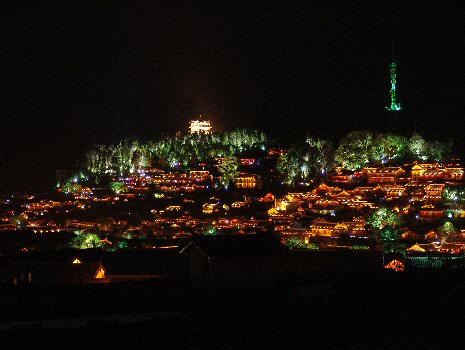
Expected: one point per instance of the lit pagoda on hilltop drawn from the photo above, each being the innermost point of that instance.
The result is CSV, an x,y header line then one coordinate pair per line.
x,y
200,126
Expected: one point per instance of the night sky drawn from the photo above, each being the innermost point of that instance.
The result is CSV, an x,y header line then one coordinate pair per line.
x,y
76,75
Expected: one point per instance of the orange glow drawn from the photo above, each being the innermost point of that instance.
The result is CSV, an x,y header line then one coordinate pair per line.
x,y
100,273
395,265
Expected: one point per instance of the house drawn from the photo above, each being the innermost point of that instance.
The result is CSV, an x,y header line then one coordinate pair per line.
x,y
415,187
245,180
432,236
410,235
416,191
422,248
452,248
395,192
234,260
326,206
341,176
200,175
289,202
343,197
384,175
54,273
434,193
431,212
248,161
425,172
321,227
454,174
363,192
433,172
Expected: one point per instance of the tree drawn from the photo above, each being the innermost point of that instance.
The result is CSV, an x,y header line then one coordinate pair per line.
x,y
291,165
447,230
295,243
354,151
418,147
385,221
124,156
209,230
453,194
323,155
123,244
388,147
71,187
229,170
438,151
240,140
99,160
390,234
117,187
85,241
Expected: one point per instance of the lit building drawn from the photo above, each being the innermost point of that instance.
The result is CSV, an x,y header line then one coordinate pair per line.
x,y
245,180
200,126
431,172
354,228
390,175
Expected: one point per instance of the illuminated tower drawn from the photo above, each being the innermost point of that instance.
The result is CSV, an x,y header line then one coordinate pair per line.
x,y
395,105
200,126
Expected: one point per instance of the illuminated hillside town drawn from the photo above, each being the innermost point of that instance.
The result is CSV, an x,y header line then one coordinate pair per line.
x,y
262,177
400,196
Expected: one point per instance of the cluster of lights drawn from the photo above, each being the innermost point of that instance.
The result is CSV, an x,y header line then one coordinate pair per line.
x,y
200,126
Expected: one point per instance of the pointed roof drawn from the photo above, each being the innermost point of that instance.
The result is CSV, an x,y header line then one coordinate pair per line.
x,y
343,194
56,273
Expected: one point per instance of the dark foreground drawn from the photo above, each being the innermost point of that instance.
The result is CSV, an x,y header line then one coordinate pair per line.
x,y
415,310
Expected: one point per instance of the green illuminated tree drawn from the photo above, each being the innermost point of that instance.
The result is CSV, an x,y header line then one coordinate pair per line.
x,y
295,243
385,221
453,194
390,234
388,147
85,241
354,151
123,244
117,187
229,170
418,147
291,165
99,160
240,140
447,230
124,154
71,187
209,230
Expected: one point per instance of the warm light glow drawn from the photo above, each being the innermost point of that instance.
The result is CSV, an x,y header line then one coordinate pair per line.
x,y
100,273
395,265
200,126
76,261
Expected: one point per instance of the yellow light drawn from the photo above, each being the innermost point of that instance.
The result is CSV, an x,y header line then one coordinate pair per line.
x,y
100,273
76,261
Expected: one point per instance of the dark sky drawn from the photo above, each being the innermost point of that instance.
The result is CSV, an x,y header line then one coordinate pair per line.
x,y
83,73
